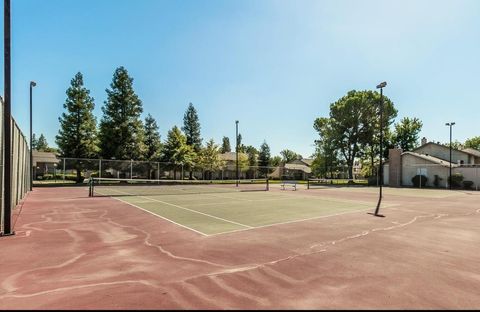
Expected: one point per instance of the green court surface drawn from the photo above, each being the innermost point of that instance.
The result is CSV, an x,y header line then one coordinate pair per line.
x,y
218,213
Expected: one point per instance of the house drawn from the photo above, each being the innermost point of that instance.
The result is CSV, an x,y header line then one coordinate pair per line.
x,y
298,169
431,161
44,163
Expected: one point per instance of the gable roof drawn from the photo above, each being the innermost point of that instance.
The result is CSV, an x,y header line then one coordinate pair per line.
x,y
44,157
472,151
439,145
432,159
230,156
305,161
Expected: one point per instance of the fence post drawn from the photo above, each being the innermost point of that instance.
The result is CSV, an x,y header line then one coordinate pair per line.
x,y
131,169
64,170
100,168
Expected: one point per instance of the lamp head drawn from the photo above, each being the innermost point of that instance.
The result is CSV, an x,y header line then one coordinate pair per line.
x,y
236,121
33,83
382,85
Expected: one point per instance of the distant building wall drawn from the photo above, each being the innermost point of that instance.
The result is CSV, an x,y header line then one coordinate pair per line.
x,y
413,165
395,167
443,152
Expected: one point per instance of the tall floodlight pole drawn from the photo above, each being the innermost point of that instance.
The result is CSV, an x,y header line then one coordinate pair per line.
x,y
450,124
236,150
380,86
32,84
7,123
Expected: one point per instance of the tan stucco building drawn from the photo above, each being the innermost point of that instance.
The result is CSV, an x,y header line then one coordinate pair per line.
x,y
431,160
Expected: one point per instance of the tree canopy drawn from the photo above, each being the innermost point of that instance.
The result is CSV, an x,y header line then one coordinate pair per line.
x,y
406,133
121,129
473,142
152,139
226,148
289,155
191,128
353,123
77,137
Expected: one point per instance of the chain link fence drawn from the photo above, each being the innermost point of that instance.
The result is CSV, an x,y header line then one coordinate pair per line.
x,y
80,169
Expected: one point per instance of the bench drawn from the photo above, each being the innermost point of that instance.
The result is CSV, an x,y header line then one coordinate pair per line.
x,y
293,184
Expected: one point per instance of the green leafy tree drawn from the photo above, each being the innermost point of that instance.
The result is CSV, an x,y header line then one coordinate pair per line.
x,y
289,155
121,129
473,143
209,159
77,137
354,120
42,144
177,152
264,158
275,161
252,155
406,133
225,145
152,139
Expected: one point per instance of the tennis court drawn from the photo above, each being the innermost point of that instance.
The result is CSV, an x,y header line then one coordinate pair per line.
x,y
214,246
214,208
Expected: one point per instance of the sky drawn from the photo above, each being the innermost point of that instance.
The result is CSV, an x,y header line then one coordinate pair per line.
x,y
274,65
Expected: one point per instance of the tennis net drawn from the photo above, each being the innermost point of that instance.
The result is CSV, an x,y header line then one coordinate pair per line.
x,y
112,187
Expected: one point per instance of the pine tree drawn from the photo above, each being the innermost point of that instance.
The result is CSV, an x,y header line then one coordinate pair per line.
x,y
42,144
225,145
34,142
77,137
264,157
191,128
121,129
152,139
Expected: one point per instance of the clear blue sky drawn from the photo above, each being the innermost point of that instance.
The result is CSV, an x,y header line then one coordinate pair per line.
x,y
273,65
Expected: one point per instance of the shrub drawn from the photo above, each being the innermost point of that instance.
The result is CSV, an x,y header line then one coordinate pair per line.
x,y
467,185
416,180
437,180
456,180
372,180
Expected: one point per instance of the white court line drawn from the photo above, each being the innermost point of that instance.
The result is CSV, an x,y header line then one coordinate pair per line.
x,y
247,227
307,219
191,210
293,221
159,216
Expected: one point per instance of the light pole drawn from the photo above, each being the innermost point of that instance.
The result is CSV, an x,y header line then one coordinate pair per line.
x,y
450,124
236,150
32,84
380,86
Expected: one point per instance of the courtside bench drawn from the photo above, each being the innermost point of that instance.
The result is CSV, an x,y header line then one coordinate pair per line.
x,y
292,184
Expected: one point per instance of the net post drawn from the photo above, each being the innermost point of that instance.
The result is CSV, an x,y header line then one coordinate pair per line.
x,y
90,187
268,184
131,168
